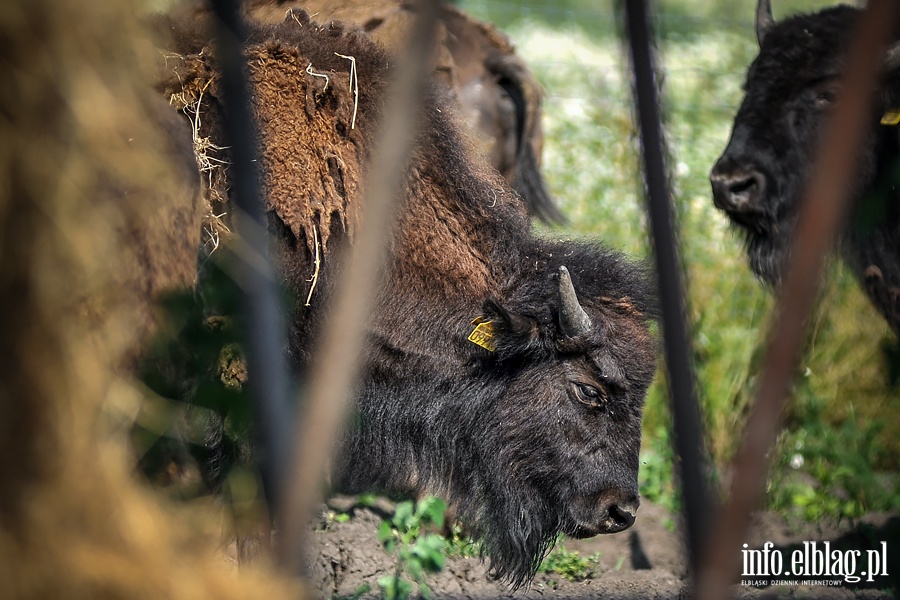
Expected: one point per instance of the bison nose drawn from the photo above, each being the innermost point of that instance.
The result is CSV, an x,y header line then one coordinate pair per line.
x,y
620,514
737,190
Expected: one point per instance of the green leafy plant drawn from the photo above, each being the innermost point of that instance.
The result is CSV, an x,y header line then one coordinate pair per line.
x,y
331,517
570,565
410,536
457,543
830,471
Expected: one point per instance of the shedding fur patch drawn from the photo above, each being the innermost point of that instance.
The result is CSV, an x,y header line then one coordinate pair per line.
x,y
311,149
314,187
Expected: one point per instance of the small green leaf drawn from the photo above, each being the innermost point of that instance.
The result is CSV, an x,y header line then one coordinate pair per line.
x,y
430,510
385,532
404,589
394,587
416,570
403,515
430,551
388,585
425,590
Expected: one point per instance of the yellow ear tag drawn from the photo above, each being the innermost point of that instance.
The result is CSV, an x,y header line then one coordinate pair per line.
x,y
891,117
483,334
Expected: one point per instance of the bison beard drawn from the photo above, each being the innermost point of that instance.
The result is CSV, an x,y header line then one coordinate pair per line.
x,y
761,176
535,436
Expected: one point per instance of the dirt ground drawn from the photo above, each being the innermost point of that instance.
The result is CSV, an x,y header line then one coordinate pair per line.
x,y
647,561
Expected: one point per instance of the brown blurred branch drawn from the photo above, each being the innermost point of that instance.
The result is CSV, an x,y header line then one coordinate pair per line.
x,y
331,384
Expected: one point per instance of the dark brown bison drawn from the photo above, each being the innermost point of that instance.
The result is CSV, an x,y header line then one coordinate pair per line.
x,y
760,177
498,96
504,372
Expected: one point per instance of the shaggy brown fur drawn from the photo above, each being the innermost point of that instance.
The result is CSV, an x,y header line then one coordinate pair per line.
x,y
498,96
314,162
316,154
94,223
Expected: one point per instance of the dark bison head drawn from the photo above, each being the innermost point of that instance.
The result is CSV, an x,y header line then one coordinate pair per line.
x,y
790,88
595,396
563,436
541,433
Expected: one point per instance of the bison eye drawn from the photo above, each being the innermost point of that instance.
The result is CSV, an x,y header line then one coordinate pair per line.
x,y
588,395
826,97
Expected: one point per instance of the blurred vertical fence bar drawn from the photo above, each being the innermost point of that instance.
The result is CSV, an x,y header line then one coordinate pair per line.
x,y
331,383
264,331
688,439
824,206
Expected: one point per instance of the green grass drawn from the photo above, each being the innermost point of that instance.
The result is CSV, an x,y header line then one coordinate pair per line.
x,y
842,407
678,17
570,565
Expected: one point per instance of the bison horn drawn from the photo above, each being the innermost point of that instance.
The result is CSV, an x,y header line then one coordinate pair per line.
x,y
573,321
764,19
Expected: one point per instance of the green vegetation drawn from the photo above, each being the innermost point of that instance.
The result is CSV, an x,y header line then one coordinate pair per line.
x,y
839,420
684,17
460,544
569,565
411,536
655,475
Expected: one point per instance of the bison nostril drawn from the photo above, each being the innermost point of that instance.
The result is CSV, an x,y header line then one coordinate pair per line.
x,y
742,187
620,513
621,517
737,191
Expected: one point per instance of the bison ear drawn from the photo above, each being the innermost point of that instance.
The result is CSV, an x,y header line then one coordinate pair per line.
x,y
764,20
509,333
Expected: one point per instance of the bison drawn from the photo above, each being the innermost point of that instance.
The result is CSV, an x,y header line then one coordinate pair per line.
x,y
502,371
760,177
494,88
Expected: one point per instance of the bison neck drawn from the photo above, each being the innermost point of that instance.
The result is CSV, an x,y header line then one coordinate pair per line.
x,y
872,244
413,435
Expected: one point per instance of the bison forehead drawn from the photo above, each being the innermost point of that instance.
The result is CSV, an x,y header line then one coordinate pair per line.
x,y
801,49
629,343
620,349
